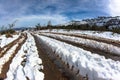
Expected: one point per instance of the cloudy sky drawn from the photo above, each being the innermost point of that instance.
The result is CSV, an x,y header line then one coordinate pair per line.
x,y
31,12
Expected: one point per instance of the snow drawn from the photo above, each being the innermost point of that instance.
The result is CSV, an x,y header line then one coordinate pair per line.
x,y
4,40
96,67
103,34
5,58
26,63
8,54
99,24
19,74
90,43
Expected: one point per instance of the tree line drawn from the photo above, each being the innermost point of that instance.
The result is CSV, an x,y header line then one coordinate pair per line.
x,y
78,27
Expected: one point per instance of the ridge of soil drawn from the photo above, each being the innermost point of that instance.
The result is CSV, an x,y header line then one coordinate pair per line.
x,y
6,66
8,46
93,50
86,36
51,71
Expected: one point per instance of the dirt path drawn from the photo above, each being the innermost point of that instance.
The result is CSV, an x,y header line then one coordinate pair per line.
x,y
93,50
7,64
51,71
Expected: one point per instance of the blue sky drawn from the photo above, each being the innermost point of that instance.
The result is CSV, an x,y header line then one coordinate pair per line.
x,y
31,12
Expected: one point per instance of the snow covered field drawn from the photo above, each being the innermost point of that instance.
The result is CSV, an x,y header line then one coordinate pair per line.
x,y
90,43
108,35
26,64
5,58
94,66
4,40
21,59
8,54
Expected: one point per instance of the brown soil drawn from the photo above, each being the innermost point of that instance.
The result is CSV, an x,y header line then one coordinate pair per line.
x,y
51,70
7,64
93,50
2,51
99,39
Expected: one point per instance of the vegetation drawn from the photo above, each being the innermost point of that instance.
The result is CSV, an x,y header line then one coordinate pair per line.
x,y
38,26
49,25
78,27
8,30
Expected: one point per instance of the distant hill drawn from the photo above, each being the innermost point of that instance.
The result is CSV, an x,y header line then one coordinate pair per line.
x,y
109,22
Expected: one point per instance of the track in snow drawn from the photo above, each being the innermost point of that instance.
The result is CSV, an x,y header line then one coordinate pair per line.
x,y
85,36
91,49
6,65
8,46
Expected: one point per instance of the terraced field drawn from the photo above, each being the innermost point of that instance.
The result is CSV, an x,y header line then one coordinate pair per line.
x,y
54,55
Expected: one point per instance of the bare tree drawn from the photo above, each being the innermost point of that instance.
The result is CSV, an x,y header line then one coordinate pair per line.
x,y
2,28
49,25
38,26
12,24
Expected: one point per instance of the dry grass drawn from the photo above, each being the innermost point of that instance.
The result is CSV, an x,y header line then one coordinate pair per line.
x,y
8,35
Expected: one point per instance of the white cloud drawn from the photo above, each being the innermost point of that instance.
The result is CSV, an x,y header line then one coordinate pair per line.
x,y
114,7
42,19
30,12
